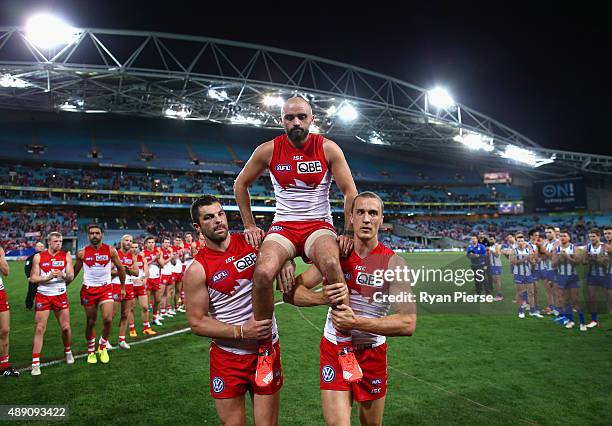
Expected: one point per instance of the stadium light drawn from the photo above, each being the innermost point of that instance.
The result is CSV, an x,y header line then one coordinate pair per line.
x,y
475,141
331,111
376,139
440,98
7,80
177,112
217,95
525,156
48,31
347,113
271,101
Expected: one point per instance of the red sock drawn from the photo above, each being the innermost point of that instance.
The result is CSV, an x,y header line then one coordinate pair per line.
x,y
132,328
4,362
146,325
67,349
36,359
121,339
91,344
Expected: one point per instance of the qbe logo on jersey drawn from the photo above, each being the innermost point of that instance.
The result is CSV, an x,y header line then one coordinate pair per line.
x,y
369,280
309,167
245,262
57,263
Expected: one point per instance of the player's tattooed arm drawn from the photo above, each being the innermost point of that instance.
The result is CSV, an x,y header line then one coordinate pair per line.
x,y
403,320
201,324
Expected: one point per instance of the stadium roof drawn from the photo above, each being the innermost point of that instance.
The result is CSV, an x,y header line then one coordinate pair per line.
x,y
197,78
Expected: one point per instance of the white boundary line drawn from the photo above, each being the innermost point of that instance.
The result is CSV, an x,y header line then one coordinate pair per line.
x,y
150,339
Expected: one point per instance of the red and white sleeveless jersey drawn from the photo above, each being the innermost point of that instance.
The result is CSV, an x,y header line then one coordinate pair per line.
x,y
47,264
141,271
178,267
229,278
126,260
362,284
301,180
188,255
168,266
96,266
151,257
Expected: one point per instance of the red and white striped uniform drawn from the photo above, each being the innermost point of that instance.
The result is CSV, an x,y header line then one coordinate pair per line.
x,y
301,180
152,262
96,266
127,260
47,264
229,278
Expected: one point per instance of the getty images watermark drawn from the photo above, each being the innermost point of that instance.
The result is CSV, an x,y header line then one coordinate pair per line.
x,y
416,277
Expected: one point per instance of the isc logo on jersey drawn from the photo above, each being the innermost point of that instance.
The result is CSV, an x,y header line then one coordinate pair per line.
x,y
309,167
245,262
369,280
57,263
283,168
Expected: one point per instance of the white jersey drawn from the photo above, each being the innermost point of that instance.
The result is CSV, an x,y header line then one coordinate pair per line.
x,y
522,269
494,260
547,263
565,268
600,270
47,264
96,266
301,180
168,267
152,263
177,268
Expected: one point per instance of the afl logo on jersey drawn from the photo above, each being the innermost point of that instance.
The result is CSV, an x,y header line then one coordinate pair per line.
x,y
283,168
220,276
309,167
246,262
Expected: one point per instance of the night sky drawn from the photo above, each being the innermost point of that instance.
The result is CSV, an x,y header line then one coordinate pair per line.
x,y
538,69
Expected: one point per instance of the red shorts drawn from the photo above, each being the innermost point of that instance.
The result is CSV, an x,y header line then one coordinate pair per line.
x,y
153,284
298,232
53,303
139,290
129,292
177,277
373,363
91,296
166,279
4,306
116,292
231,375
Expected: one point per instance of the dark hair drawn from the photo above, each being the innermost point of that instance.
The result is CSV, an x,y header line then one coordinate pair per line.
x,y
607,228
565,231
595,231
546,228
188,233
493,236
93,226
166,238
369,194
150,237
533,231
519,235
205,200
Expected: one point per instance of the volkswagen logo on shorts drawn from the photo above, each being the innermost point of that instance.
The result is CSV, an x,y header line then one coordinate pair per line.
x,y
115,296
328,374
276,228
39,305
218,385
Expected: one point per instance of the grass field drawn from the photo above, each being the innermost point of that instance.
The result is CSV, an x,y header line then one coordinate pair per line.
x,y
478,365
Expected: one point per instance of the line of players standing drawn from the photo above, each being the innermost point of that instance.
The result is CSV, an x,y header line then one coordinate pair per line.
x,y
553,260
153,276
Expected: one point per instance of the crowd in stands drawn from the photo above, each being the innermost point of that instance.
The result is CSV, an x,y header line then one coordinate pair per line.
x,y
198,183
21,230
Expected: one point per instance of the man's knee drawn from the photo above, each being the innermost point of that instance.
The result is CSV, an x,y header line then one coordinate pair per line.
x,y
4,331
329,264
263,275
